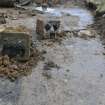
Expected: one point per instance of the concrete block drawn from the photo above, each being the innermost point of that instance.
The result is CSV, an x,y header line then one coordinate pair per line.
x,y
48,26
17,42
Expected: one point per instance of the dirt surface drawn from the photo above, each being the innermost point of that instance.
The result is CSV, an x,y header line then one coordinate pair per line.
x,y
70,73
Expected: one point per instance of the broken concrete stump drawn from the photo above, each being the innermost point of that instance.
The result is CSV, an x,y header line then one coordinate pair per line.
x,y
15,44
48,26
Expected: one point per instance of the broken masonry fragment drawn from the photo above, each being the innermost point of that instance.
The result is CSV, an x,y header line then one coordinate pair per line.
x,y
48,27
15,44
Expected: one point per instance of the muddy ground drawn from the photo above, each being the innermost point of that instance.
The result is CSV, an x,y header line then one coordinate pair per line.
x,y
72,71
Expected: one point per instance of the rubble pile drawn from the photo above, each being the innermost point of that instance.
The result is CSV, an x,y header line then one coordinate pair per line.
x,y
12,69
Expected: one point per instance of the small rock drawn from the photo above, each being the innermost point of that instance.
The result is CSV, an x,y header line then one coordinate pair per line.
x,y
86,33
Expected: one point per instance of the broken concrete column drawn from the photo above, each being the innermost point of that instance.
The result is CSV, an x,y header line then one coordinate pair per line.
x,y
15,44
48,26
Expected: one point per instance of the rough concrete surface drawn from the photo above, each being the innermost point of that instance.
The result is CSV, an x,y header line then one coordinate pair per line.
x,y
79,80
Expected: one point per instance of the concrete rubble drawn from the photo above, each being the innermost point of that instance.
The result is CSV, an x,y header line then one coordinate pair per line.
x,y
48,26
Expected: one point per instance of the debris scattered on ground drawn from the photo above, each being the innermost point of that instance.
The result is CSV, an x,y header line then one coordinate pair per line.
x,y
50,27
86,33
13,69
